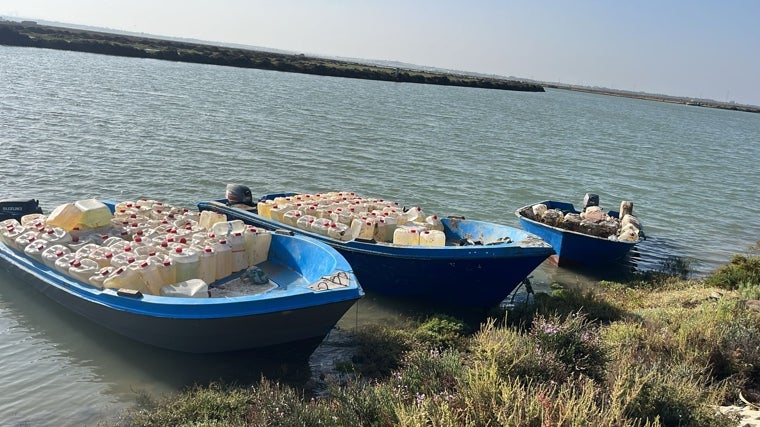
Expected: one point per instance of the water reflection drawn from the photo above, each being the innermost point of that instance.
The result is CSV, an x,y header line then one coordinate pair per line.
x,y
125,365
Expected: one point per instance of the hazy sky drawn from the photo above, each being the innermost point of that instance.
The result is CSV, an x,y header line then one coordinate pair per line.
x,y
694,48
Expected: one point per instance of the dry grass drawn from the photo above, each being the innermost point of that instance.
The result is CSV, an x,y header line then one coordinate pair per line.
x,y
662,351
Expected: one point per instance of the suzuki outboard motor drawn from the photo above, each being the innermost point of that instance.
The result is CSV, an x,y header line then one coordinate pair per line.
x,y
237,193
16,208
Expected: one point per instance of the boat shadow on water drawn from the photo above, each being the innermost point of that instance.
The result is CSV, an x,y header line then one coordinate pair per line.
x,y
377,308
666,256
653,255
128,366
620,271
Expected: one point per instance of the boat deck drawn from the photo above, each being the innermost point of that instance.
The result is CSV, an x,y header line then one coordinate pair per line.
x,y
238,286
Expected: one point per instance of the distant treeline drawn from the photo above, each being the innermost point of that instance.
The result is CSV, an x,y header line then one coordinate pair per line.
x,y
30,34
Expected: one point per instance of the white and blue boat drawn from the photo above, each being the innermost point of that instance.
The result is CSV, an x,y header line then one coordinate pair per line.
x,y
477,264
307,287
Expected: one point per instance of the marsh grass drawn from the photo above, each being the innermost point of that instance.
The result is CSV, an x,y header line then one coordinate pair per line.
x,y
660,350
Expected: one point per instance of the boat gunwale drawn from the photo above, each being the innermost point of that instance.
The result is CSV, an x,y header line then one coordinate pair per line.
x,y
181,307
512,249
565,231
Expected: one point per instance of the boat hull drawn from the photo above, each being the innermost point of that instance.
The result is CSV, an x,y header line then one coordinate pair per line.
x,y
573,248
472,275
471,281
204,325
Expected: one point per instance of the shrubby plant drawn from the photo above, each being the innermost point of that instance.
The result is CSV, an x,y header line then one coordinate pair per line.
x,y
573,341
441,331
742,271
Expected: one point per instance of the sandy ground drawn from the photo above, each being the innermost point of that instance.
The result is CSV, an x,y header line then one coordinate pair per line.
x,y
750,415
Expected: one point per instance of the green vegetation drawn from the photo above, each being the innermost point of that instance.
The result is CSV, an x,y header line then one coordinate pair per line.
x,y
742,274
659,350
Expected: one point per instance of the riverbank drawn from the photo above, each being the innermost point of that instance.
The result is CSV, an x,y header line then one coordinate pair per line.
x,y
657,350
31,34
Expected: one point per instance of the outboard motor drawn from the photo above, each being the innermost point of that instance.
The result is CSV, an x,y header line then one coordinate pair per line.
x,y
16,208
237,193
590,200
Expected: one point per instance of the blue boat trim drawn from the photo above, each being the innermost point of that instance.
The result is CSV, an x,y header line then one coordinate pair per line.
x,y
574,248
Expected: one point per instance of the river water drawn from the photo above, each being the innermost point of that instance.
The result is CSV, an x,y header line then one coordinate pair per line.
x,y
75,126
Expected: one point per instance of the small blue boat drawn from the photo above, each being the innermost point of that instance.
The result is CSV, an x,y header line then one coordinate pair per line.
x,y
479,265
576,247
307,287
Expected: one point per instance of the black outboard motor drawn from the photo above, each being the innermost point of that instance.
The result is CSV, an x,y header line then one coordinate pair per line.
x,y
590,200
237,193
16,208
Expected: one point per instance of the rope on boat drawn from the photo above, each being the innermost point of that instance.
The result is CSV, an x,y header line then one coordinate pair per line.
x,y
337,280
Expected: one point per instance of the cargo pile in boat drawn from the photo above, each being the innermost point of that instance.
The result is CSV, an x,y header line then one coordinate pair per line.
x,y
146,245
592,220
347,216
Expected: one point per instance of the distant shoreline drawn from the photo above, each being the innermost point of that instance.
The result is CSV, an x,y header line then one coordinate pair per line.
x,y
659,98
31,34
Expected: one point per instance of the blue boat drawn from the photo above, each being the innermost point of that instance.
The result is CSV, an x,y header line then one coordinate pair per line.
x,y
576,246
479,265
297,294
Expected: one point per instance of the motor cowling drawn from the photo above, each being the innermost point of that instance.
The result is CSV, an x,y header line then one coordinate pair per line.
x,y
17,208
237,193
589,200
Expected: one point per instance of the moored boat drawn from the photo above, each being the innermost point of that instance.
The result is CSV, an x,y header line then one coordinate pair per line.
x,y
266,289
401,252
589,237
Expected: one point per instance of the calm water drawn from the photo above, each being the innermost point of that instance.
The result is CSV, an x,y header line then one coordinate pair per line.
x,y
75,126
